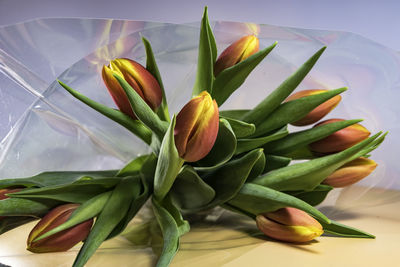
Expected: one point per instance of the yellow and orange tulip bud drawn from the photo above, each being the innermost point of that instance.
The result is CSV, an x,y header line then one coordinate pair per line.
x,y
289,225
351,172
140,79
63,240
317,113
236,52
196,127
340,140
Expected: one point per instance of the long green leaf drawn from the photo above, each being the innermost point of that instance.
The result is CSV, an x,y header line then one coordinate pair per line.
x,y
257,199
205,61
25,207
229,178
314,197
133,167
307,175
170,232
294,110
240,128
86,211
244,145
258,168
300,139
236,114
144,113
152,67
120,200
338,229
273,100
275,162
135,126
78,192
168,165
54,178
223,149
190,191
232,78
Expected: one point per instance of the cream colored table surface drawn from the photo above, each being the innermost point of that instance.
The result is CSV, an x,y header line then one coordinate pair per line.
x,y
234,241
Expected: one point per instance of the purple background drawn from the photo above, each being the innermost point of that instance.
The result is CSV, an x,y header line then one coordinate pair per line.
x,y
377,20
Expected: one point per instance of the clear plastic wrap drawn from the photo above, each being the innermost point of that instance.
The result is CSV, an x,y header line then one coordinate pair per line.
x,y
43,128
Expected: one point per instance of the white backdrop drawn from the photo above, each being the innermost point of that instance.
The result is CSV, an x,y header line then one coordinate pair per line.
x,y
377,20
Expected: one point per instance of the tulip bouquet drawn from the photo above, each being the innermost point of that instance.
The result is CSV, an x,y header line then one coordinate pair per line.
x,y
244,161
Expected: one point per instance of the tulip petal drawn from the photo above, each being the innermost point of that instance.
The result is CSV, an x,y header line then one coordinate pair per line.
x,y
116,91
341,139
206,131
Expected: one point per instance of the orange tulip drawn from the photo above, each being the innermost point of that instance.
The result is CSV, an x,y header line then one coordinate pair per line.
x,y
341,139
290,225
317,113
61,241
196,127
236,52
351,172
140,79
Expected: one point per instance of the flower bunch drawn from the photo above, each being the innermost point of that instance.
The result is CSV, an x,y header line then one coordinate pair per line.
x,y
204,157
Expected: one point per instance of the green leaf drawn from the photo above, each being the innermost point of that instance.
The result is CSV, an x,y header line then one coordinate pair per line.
x,y
229,178
134,126
168,165
9,223
273,100
258,168
133,167
205,61
300,139
152,67
257,199
142,111
294,110
25,207
84,212
308,175
338,229
244,145
77,192
236,114
240,128
172,227
139,201
190,191
314,197
232,78
275,162
223,149
55,178
119,201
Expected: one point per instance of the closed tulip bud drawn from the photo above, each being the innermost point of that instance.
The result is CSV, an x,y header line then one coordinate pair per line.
x,y
340,140
140,79
351,172
317,113
289,225
61,241
236,52
196,127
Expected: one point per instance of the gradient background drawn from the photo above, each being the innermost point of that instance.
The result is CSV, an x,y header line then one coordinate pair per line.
x,y
377,20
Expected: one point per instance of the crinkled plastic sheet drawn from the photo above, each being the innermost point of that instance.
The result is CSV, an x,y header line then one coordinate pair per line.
x,y
44,128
